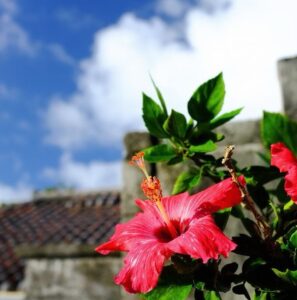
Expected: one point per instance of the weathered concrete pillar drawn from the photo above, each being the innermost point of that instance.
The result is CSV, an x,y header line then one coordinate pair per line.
x,y
287,72
132,176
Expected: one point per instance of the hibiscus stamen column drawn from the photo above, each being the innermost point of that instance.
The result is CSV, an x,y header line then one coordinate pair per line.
x,y
151,187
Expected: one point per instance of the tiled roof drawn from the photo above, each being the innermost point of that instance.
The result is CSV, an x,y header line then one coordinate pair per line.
x,y
78,219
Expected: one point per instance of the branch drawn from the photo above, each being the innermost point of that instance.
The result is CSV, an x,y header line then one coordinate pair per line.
x,y
246,197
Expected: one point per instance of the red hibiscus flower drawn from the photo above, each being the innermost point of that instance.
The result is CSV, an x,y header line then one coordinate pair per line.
x,y
285,161
167,225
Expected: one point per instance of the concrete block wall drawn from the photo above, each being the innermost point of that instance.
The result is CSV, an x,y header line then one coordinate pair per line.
x,y
71,279
132,176
287,74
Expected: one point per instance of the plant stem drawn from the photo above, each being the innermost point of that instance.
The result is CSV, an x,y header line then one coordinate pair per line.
x,y
247,199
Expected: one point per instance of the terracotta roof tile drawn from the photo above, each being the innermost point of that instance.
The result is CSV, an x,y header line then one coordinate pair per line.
x,y
79,219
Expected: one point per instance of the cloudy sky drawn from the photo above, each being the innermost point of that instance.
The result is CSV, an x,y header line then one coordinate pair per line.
x,y
71,76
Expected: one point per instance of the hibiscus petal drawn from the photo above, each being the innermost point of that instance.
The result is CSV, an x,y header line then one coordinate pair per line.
x,y
144,227
142,267
183,207
291,184
203,239
282,157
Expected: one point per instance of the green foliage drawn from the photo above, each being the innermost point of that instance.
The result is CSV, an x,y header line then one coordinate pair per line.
x,y
208,146
187,180
241,290
293,240
176,125
192,139
171,285
169,292
222,216
212,295
287,276
153,117
276,127
261,296
162,152
260,175
207,100
160,97
224,118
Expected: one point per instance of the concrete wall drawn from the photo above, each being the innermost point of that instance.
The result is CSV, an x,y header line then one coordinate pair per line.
x,y
72,279
287,73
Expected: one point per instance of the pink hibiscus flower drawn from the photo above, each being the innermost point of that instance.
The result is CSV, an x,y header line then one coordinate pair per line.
x,y
167,225
285,161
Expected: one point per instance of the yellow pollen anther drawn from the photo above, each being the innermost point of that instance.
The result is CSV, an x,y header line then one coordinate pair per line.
x,y
138,161
151,187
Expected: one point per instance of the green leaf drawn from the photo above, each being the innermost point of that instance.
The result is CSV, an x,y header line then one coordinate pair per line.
x,y
260,175
207,100
260,296
176,125
237,212
287,235
289,205
208,146
153,117
175,160
224,118
162,152
160,97
276,127
259,194
212,295
293,240
187,180
169,292
252,264
190,127
287,276
222,216
241,290
230,268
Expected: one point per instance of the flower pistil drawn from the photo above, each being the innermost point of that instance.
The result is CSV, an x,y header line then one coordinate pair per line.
x,y
151,187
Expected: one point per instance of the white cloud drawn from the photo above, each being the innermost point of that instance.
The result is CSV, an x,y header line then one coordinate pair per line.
x,y
91,176
11,33
19,193
61,54
244,41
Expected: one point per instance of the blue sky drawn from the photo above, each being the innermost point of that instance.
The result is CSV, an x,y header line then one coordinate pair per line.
x,y
71,76
57,35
